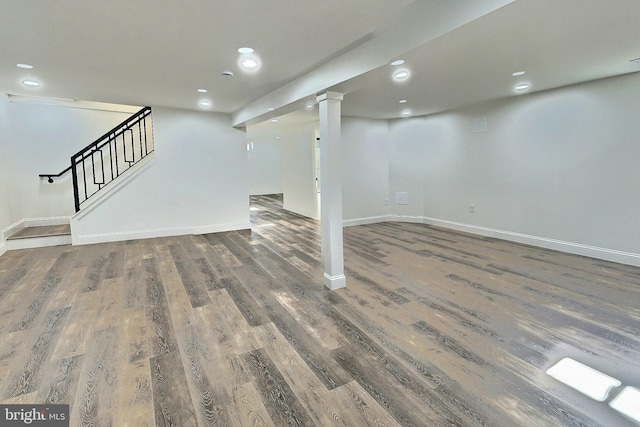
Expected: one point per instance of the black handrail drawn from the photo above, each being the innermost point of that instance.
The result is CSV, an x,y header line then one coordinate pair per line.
x,y
51,176
134,118
109,156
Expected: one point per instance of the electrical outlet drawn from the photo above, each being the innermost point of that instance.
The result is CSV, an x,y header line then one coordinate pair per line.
x,y
386,202
472,208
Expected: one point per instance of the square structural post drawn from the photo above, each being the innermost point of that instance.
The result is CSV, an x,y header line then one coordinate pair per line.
x,y
329,104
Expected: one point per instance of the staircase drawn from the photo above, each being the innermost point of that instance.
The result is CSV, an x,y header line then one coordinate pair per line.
x,y
114,155
39,236
108,157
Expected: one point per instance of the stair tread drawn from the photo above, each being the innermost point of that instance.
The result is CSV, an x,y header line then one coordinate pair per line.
x,y
41,231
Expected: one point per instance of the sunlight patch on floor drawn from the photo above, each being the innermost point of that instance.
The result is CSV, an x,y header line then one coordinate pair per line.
x,y
628,403
581,377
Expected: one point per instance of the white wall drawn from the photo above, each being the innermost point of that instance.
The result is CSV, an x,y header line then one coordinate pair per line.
x,y
298,144
45,138
415,151
198,183
365,164
265,167
558,168
6,163
8,214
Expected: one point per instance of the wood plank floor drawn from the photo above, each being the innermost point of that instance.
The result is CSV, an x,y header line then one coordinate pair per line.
x,y
435,328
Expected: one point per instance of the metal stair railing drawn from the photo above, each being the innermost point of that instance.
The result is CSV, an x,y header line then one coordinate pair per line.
x,y
108,157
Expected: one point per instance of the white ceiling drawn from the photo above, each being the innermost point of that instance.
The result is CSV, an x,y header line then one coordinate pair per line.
x,y
158,52
557,43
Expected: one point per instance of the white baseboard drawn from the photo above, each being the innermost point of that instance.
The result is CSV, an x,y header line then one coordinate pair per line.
x,y
367,220
543,242
407,218
11,229
3,246
335,282
87,239
220,228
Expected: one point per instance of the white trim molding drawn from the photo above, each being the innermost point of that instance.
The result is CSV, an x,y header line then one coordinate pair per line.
x,y
543,242
87,239
606,254
335,282
407,218
72,103
11,229
367,220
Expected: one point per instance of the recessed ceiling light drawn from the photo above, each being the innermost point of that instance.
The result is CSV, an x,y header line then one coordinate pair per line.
x,y
205,103
398,62
402,101
401,75
31,83
406,112
226,73
27,66
249,63
309,107
274,120
202,90
270,109
277,137
245,50
518,73
522,86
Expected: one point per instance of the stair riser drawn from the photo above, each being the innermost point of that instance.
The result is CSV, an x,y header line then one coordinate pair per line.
x,y
38,242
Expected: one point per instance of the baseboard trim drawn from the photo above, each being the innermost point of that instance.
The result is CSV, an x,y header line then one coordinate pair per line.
x,y
543,242
407,218
9,230
3,246
87,239
606,254
367,220
335,282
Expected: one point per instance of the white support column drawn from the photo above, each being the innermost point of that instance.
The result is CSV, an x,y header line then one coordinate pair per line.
x,y
331,184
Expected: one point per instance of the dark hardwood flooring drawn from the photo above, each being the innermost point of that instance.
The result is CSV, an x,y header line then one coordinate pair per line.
x,y
435,328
